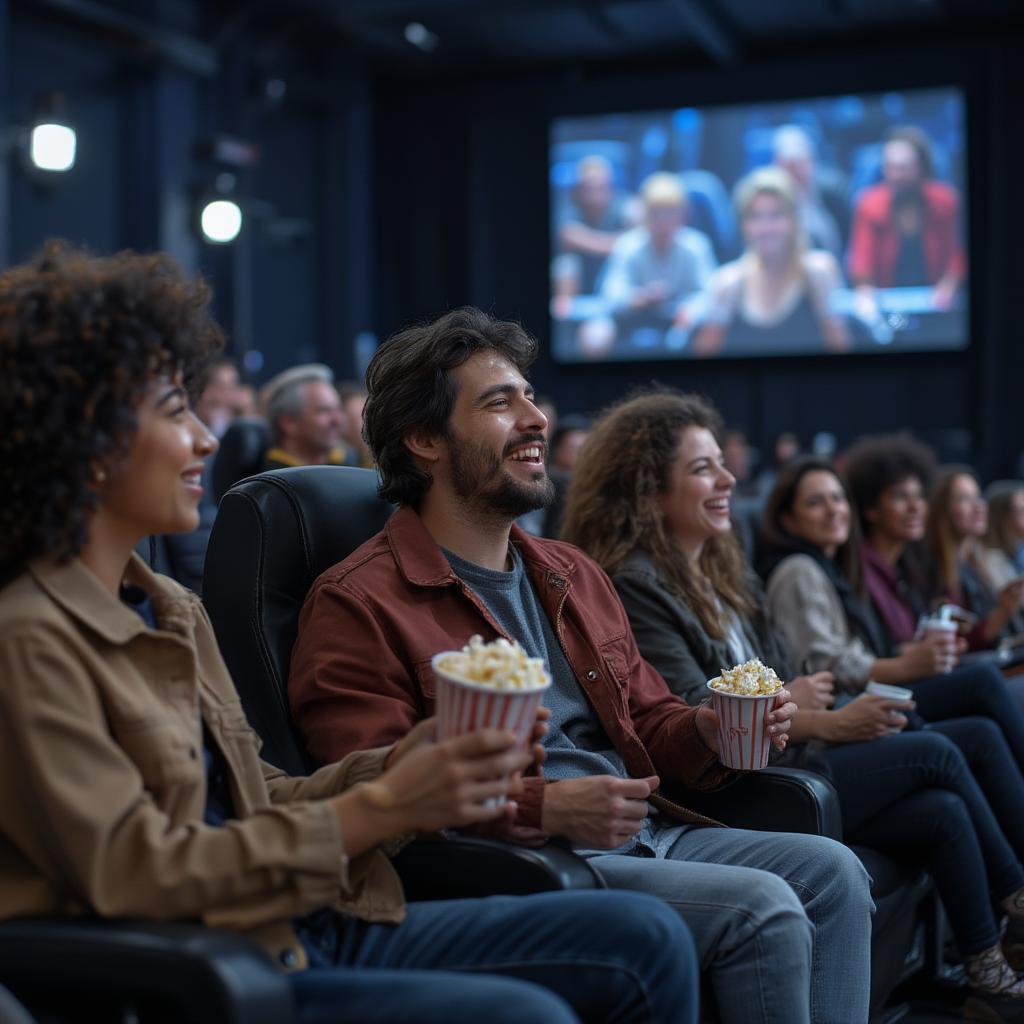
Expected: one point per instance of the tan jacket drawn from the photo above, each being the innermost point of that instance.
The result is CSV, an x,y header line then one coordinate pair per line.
x,y
102,781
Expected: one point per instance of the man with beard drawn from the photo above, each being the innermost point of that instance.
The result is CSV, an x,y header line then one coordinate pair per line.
x,y
459,445
906,229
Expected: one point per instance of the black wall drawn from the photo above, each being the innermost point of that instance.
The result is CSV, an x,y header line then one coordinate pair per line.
x,y
463,217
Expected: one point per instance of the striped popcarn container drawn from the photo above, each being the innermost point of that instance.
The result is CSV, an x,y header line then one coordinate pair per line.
x,y
463,706
743,739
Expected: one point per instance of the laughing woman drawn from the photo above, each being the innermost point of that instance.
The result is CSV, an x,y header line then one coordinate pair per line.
x,y
130,784
650,501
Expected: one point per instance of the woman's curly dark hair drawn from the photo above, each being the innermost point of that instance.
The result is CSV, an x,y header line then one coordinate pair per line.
x,y
81,338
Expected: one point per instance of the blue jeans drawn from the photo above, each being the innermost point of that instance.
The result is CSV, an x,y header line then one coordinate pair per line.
x,y
609,956
782,922
915,792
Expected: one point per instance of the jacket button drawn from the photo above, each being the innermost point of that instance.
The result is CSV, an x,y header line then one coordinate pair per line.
x,y
556,581
593,674
288,957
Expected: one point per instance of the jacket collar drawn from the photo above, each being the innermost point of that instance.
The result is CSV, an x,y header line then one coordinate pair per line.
x,y
421,561
78,591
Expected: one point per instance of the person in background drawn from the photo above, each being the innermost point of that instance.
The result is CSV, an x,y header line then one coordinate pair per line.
x,y
955,532
653,467
458,442
906,229
564,448
547,406
1001,559
590,223
777,295
130,783
889,477
655,267
222,398
817,603
740,457
353,398
784,450
305,416
821,202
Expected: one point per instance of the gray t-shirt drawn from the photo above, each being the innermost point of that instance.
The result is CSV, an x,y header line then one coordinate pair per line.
x,y
576,744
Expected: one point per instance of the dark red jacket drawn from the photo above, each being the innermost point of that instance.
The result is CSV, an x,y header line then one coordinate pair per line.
x,y
875,239
361,676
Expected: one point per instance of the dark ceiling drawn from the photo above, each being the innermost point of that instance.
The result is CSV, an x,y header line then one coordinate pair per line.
x,y
447,35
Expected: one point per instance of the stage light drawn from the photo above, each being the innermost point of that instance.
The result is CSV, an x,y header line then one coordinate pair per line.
x,y
52,146
220,221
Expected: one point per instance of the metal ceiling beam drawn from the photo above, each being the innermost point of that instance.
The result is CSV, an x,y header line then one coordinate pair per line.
x,y
713,34
141,37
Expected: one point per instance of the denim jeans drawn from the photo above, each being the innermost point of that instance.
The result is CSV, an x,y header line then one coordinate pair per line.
x,y
973,690
916,793
782,922
608,956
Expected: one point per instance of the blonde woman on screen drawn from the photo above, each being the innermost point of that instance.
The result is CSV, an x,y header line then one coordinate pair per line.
x,y
776,295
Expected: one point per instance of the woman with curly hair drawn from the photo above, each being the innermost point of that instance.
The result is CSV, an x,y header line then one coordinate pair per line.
x,y
129,779
650,501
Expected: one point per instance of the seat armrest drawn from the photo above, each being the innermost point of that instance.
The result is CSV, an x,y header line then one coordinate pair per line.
x,y
774,800
209,976
458,867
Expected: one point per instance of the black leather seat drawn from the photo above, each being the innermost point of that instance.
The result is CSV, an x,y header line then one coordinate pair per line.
x,y
240,454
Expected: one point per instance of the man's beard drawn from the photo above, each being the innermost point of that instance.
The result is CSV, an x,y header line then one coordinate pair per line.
x,y
480,480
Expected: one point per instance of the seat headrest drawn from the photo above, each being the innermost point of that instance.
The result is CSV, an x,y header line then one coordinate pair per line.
x,y
273,535
240,454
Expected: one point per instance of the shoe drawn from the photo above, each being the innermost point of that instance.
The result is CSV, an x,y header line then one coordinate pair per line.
x,y
1013,943
986,1008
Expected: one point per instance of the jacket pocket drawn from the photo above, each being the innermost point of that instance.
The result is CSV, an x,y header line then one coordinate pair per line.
x,y
166,753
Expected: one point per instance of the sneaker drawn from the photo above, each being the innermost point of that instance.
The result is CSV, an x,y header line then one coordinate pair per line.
x,y
986,1008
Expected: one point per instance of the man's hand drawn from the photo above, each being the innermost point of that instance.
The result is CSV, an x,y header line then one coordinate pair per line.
x,y
597,812
813,692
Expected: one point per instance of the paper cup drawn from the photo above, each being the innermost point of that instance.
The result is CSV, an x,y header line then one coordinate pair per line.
x,y
948,630
743,740
462,706
891,692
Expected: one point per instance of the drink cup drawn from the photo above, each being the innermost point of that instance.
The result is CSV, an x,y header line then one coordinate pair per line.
x,y
464,706
891,693
743,739
947,630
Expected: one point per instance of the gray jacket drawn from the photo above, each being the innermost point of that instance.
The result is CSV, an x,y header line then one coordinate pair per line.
x,y
671,637
803,606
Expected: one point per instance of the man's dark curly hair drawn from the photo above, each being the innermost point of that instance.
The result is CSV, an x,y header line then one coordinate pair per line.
x,y
81,338
409,388
874,464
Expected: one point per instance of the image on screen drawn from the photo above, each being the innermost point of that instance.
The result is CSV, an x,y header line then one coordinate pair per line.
x,y
814,226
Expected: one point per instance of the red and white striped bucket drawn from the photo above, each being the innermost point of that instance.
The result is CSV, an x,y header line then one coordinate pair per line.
x,y
743,739
462,706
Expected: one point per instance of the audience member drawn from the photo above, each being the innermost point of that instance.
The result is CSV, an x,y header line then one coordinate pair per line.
x,y
957,525
546,404
889,477
784,450
778,293
820,198
565,443
221,398
654,468
654,267
130,781
906,229
591,222
1002,558
353,397
305,416
739,457
817,603
459,444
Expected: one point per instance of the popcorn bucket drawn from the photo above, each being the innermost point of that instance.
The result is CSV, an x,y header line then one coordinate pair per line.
x,y
462,706
743,739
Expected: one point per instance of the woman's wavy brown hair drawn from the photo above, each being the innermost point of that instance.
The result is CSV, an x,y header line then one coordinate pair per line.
x,y
613,507
81,338
941,538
